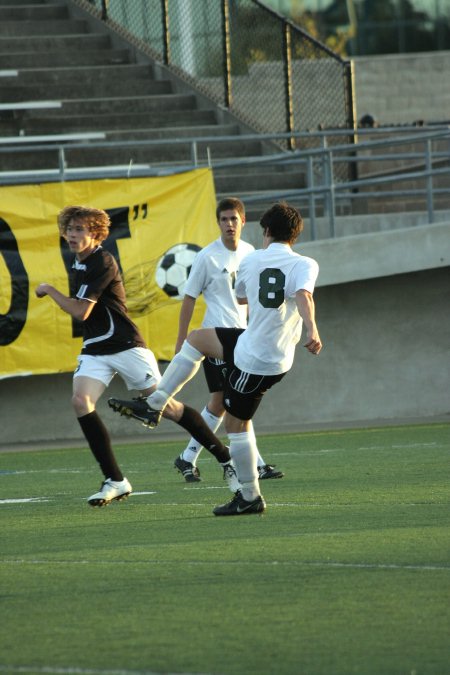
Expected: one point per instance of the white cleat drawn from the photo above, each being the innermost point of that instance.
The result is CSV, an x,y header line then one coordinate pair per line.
x,y
111,490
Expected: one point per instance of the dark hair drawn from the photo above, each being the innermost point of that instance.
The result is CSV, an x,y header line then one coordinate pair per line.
x,y
96,220
230,204
282,222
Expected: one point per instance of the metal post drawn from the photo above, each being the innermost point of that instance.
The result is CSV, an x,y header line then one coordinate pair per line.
x,y
311,200
105,4
288,82
166,34
332,198
226,53
429,168
329,186
349,88
323,168
61,162
194,153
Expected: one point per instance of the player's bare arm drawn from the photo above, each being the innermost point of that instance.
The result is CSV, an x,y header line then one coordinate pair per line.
x,y
306,309
78,309
186,311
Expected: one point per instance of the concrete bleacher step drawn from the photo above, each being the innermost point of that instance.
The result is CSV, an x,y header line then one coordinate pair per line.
x,y
16,3
50,27
72,58
138,87
37,124
122,105
274,179
172,132
69,43
82,74
26,12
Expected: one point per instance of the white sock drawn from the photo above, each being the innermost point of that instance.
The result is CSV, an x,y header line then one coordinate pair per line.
x,y
243,453
193,448
259,459
180,370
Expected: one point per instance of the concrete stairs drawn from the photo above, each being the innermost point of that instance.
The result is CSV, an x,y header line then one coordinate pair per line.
x,y
103,87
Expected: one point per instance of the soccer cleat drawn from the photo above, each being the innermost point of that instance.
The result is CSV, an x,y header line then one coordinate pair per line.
x,y
239,506
190,472
267,471
230,475
137,408
111,490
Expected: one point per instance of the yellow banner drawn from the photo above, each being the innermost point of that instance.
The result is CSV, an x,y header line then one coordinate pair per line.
x,y
158,224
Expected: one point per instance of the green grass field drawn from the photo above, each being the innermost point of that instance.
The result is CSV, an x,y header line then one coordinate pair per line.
x,y
347,572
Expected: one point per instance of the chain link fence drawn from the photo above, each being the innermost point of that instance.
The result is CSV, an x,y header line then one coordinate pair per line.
x,y
268,72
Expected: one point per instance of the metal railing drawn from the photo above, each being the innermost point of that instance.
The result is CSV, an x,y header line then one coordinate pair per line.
x,y
250,60
324,191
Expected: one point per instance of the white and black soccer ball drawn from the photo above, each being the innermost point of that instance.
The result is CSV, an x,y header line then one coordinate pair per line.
x,y
173,269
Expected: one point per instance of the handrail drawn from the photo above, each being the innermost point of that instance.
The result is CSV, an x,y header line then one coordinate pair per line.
x,y
319,163
260,137
29,105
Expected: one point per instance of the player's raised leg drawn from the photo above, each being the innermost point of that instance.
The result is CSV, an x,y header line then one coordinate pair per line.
x,y
181,369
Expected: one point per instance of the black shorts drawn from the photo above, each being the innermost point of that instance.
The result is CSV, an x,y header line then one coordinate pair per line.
x,y
242,392
214,373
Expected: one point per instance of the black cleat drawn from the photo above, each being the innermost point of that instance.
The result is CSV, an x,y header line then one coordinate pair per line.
x,y
239,506
190,472
268,471
137,408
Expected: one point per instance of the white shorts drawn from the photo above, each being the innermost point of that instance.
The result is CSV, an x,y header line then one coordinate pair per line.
x,y
137,367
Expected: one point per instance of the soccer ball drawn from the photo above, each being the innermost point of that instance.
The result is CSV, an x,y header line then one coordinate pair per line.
x,y
173,269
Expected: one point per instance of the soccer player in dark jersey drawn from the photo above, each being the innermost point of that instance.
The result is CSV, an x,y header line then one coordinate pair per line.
x,y
112,344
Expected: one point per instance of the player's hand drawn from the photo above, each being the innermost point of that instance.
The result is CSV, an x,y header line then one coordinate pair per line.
x,y
41,290
314,345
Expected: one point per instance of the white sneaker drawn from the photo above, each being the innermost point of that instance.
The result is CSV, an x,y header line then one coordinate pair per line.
x,y
230,475
111,490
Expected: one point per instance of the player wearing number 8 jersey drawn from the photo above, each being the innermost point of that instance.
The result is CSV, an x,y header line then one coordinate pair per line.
x,y
269,279
278,284
213,275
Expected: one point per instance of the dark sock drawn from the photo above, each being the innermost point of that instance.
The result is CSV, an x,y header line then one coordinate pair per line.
x,y
99,442
196,426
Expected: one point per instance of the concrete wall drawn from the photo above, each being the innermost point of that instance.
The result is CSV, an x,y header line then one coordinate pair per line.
x,y
403,88
383,312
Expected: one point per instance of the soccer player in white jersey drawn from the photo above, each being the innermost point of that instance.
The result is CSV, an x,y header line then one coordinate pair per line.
x,y
213,274
277,284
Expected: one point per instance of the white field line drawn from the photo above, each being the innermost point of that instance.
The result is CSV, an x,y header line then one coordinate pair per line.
x,y
25,500
237,563
39,500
